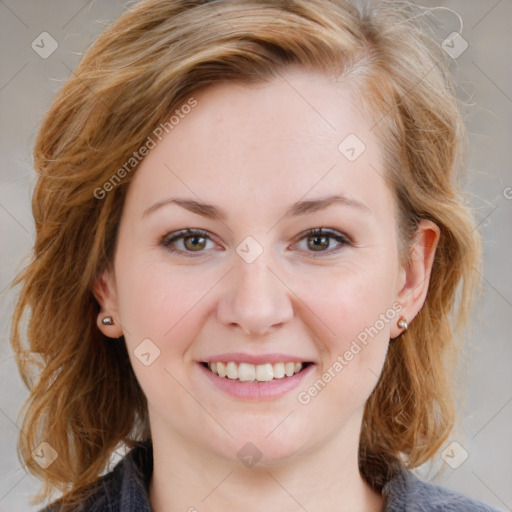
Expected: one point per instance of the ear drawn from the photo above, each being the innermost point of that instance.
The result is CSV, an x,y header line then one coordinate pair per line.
x,y
104,291
416,273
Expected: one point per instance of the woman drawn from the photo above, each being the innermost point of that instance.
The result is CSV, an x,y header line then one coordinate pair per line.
x,y
249,237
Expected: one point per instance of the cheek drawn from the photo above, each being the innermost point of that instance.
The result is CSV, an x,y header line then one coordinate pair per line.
x,y
356,314
156,300
351,298
166,308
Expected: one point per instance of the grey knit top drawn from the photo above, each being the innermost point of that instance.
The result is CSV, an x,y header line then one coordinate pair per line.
x,y
125,489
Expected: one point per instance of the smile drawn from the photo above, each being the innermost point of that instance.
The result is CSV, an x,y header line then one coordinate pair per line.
x,y
277,379
246,372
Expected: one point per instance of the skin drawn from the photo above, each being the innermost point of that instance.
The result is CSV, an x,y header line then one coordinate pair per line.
x,y
254,151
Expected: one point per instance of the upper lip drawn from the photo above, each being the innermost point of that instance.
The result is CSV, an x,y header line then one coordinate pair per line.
x,y
239,357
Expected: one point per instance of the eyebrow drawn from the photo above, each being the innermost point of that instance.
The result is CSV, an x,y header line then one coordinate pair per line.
x,y
299,208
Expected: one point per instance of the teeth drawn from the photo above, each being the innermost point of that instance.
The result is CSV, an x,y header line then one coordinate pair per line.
x,y
221,369
264,372
232,370
279,370
246,372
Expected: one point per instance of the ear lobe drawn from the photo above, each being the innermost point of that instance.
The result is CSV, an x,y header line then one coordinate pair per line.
x,y
105,293
417,272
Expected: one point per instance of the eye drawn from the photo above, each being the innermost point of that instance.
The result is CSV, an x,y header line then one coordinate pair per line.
x,y
194,242
191,241
319,240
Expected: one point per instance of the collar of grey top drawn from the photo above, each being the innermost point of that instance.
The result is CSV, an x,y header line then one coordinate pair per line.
x,y
125,489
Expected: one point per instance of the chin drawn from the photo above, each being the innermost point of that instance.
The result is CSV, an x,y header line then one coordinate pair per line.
x,y
270,445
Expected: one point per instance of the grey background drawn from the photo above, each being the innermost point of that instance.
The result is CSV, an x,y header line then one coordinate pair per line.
x,y
27,86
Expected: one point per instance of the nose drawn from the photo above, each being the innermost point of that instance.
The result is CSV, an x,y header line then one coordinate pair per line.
x,y
255,300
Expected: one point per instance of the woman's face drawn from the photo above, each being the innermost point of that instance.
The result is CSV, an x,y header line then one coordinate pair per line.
x,y
250,167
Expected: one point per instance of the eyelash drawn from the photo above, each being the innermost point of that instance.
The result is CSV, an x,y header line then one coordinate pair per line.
x,y
168,239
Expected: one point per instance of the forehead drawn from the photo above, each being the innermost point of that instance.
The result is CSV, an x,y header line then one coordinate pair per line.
x,y
300,133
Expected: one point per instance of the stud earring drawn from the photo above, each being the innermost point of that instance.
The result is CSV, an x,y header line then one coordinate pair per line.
x,y
402,323
107,320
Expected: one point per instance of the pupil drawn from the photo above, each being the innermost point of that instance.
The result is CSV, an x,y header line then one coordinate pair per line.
x,y
194,245
321,242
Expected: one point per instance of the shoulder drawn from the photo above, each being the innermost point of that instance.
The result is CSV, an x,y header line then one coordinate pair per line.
x,y
125,488
405,492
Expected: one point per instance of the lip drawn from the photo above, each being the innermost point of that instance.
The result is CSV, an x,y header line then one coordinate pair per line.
x,y
238,357
255,391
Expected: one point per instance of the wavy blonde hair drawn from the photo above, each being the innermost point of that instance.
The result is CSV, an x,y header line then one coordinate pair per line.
x,y
84,398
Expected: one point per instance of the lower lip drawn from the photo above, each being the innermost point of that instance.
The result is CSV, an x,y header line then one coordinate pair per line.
x,y
256,390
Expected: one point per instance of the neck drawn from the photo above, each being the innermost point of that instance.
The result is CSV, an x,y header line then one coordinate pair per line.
x,y
186,477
